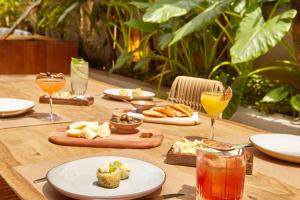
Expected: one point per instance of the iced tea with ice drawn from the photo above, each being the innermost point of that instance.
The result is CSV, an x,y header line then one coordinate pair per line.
x,y
220,175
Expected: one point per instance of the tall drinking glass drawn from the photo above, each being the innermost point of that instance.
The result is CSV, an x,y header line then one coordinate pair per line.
x,y
214,103
79,76
220,175
49,83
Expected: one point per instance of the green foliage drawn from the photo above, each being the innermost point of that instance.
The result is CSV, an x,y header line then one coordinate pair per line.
x,y
10,10
256,37
276,95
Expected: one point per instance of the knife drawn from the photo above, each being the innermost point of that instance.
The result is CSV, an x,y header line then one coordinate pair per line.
x,y
164,196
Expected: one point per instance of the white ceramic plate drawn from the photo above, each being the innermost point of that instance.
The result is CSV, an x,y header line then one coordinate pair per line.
x,y
114,93
11,107
77,179
282,146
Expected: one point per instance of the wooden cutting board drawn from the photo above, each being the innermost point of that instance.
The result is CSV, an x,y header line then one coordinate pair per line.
x,y
72,101
141,139
179,121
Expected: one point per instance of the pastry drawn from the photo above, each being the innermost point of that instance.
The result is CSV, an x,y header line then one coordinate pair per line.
x,y
153,113
109,177
181,109
165,110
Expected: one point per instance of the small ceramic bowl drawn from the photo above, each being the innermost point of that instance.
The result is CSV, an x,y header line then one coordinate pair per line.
x,y
125,126
142,105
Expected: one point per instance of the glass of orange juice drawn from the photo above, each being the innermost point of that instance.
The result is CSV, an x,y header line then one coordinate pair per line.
x,y
50,83
220,175
214,103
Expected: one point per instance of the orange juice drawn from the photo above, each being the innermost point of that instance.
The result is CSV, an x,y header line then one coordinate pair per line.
x,y
50,85
213,103
220,177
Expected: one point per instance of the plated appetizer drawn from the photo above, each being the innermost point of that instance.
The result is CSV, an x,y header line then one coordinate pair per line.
x,y
88,130
110,176
175,110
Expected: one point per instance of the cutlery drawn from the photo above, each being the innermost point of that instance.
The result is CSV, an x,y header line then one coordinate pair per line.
x,y
164,196
40,180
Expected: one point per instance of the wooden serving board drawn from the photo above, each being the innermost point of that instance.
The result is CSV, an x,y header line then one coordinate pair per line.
x,y
64,101
141,139
180,121
190,160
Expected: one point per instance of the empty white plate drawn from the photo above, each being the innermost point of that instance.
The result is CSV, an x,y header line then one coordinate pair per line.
x,y
11,107
114,93
282,146
77,179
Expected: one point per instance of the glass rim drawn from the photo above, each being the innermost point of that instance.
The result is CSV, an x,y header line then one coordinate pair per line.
x,y
222,153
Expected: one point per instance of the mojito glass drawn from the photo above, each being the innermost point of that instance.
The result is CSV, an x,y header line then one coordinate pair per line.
x,y
79,76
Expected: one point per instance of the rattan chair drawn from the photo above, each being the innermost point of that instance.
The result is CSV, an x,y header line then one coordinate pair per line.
x,y
187,90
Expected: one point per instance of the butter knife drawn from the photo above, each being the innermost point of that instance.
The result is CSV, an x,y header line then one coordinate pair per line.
x,y
164,196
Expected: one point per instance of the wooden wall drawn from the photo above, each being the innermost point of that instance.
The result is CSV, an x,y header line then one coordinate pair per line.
x,y
35,56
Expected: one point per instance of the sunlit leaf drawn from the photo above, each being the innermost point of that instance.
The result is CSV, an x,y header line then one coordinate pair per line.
x,y
276,95
295,102
256,37
142,26
202,20
162,11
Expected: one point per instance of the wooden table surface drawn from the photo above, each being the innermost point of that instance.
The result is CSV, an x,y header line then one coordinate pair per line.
x,y
272,179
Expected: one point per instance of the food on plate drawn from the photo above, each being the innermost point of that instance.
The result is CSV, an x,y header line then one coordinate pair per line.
x,y
186,146
217,145
75,133
153,113
124,168
165,110
110,176
123,92
88,130
89,133
175,110
137,92
186,110
125,119
104,130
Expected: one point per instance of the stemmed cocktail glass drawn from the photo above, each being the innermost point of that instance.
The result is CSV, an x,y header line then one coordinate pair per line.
x,y
214,103
50,83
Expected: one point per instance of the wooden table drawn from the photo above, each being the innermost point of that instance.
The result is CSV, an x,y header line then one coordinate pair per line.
x,y
272,179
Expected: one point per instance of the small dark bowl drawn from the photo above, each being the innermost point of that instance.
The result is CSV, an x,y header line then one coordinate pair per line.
x,y
142,105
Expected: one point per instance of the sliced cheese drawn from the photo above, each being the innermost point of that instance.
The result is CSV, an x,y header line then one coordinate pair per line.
x,y
104,130
75,133
89,133
92,125
77,125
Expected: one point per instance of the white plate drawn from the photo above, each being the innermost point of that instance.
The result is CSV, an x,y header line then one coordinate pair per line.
x,y
282,146
77,179
114,93
12,107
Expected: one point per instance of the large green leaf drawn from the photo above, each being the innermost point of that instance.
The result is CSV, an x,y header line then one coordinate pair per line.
x,y
202,20
163,10
256,37
142,26
295,102
238,87
121,61
276,95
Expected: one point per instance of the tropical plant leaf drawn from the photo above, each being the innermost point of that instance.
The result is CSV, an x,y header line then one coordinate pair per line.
x,y
238,87
164,40
142,65
276,95
295,102
142,26
140,5
256,37
163,10
122,59
202,20
67,11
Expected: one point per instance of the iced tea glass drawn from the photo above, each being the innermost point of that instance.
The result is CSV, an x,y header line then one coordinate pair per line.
x,y
220,175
